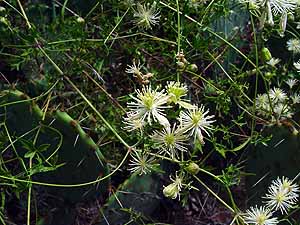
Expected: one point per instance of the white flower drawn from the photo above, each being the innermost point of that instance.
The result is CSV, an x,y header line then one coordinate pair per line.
x,y
283,110
281,6
177,91
263,104
135,69
278,106
171,140
293,45
196,3
262,100
194,121
272,8
273,62
277,95
295,98
141,163
297,66
259,216
146,15
128,3
149,104
291,82
282,194
133,124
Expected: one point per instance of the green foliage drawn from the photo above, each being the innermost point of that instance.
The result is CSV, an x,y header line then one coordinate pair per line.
x,y
75,59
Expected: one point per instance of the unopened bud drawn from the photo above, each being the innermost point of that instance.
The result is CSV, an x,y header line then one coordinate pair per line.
x,y
180,65
171,191
80,19
192,168
3,20
295,131
193,67
266,54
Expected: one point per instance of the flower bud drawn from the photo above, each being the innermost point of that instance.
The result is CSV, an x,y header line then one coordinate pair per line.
x,y
171,191
193,67
192,168
266,54
80,19
291,17
269,75
295,131
180,65
252,6
4,20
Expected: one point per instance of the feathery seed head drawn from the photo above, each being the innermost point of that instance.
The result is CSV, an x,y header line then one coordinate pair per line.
x,y
146,15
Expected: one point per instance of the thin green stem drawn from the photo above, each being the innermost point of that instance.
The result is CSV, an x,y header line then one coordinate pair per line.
x,y
97,112
92,10
14,8
231,199
115,27
29,194
211,32
31,99
205,80
70,185
178,35
229,77
206,10
13,147
51,61
214,194
178,27
24,14
253,124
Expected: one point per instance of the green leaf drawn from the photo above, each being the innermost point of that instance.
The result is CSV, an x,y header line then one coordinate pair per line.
x,y
29,154
223,152
43,147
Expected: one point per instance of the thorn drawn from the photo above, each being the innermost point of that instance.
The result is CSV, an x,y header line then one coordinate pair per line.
x,y
76,140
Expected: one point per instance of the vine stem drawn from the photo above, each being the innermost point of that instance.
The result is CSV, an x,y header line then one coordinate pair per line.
x,y
24,14
72,84
211,32
97,112
71,185
256,74
179,35
214,194
29,194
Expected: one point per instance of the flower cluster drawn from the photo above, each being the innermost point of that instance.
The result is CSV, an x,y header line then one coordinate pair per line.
x,y
272,8
184,64
277,104
168,135
282,195
259,216
150,104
